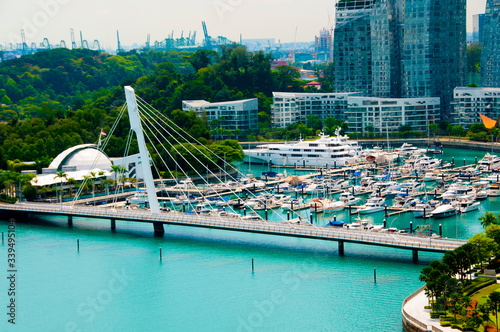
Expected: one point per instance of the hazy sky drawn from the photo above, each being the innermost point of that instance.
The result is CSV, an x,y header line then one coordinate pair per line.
x,y
100,19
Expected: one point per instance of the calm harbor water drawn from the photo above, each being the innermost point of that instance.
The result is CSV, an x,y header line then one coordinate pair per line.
x,y
116,282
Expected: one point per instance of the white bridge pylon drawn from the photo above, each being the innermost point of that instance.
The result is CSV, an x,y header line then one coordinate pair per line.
x,y
135,125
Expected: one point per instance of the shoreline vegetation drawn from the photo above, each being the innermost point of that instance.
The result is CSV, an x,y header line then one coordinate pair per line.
x,y
462,288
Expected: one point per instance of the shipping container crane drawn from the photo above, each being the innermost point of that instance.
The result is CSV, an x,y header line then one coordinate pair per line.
x,y
97,45
24,46
83,43
119,49
73,43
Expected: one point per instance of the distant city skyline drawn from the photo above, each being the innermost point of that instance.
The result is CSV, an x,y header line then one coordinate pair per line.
x,y
100,20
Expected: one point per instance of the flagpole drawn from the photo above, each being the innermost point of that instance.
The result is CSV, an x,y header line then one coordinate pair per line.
x,y
99,141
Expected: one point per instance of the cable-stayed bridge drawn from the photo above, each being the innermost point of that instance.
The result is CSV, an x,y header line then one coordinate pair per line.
x,y
157,134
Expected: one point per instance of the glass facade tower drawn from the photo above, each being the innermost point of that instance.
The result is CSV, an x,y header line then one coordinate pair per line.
x,y
490,55
434,49
395,48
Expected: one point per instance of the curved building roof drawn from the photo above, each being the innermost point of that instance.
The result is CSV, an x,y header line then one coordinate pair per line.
x,y
83,157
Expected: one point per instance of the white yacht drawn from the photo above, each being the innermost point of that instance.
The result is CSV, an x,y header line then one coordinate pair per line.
x,y
443,211
140,197
326,205
348,198
489,162
372,205
185,184
295,204
465,204
408,149
332,151
424,207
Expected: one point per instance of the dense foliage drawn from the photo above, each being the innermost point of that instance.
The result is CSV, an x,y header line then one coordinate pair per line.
x,y
56,99
451,289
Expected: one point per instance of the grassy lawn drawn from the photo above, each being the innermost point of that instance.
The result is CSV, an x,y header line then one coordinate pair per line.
x,y
485,292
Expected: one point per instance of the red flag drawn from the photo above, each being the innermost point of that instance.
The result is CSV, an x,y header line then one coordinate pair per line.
x,y
103,133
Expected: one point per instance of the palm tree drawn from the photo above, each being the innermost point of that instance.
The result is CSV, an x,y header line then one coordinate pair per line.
x,y
489,218
92,179
71,182
495,301
115,169
61,175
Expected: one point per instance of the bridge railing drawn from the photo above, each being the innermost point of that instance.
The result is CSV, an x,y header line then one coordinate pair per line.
x,y
406,241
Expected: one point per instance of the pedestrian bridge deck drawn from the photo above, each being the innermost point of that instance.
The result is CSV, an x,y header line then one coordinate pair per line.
x,y
341,235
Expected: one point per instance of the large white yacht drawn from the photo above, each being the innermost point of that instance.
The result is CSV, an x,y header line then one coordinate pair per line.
x,y
331,151
489,162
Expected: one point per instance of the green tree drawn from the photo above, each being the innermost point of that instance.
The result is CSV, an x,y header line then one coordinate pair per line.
x,y
494,299
488,219
116,169
314,122
61,175
485,247
473,57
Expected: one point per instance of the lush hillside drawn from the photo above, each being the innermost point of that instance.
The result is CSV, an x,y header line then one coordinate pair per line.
x,y
56,99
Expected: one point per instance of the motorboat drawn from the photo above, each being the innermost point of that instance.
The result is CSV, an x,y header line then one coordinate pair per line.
x,y
183,199
481,195
372,205
252,216
140,197
423,207
255,185
489,162
427,163
464,205
316,188
185,184
336,223
408,149
283,188
326,205
333,151
348,198
294,204
252,201
443,211
430,176
401,202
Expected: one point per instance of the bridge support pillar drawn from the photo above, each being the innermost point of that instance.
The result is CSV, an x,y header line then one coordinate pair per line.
x,y
341,248
113,225
70,221
415,256
158,227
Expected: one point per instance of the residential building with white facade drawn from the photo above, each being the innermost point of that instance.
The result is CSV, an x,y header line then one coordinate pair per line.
x,y
289,107
388,114
232,115
470,102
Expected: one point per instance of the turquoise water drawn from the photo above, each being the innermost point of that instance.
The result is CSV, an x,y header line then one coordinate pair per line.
x,y
116,282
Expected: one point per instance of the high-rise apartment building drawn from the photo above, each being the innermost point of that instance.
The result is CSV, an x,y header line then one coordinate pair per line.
x,y
352,47
434,48
394,48
386,39
490,55
477,28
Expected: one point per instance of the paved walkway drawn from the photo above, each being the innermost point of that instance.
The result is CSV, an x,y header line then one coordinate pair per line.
x,y
415,308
